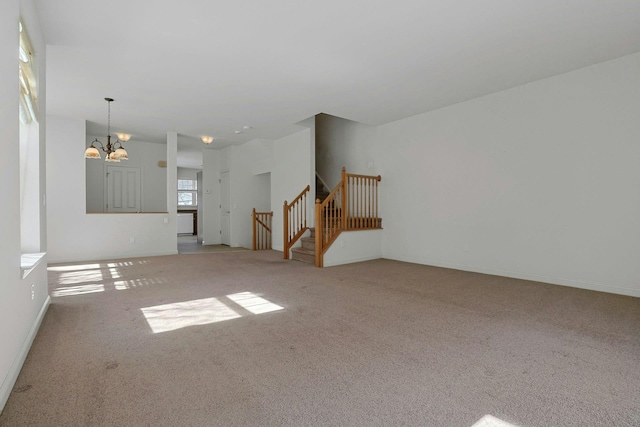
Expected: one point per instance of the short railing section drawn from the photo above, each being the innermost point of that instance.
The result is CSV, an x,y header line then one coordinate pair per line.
x,y
362,202
261,230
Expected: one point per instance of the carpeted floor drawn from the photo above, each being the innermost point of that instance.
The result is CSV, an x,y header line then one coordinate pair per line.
x,y
245,338
188,244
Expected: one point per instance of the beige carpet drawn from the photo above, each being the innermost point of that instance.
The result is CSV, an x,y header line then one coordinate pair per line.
x,y
189,245
246,338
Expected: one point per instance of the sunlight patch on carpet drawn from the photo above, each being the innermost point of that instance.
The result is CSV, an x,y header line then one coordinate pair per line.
x,y
73,277
76,267
121,264
169,317
77,290
491,421
115,274
122,285
253,303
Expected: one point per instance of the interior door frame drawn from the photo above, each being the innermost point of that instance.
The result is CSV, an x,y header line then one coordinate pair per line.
x,y
222,208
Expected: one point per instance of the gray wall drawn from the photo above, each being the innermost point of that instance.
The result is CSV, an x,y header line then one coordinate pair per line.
x,y
144,155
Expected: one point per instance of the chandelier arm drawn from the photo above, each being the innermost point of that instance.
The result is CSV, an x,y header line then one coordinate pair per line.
x,y
101,145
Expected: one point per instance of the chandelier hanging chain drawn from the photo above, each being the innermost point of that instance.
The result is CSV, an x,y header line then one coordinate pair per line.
x,y
108,116
115,152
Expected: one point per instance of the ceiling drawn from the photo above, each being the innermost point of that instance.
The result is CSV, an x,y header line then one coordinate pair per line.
x,y
206,67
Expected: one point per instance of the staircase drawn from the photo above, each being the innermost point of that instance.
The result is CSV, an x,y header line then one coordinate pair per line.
x,y
307,252
351,206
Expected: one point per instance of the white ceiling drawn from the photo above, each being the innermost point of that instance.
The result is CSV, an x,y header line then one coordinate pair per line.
x,y
206,67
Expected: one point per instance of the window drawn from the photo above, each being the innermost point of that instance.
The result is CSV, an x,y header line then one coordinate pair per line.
x,y
31,197
27,79
187,192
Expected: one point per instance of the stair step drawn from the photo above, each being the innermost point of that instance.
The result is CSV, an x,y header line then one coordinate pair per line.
x,y
304,255
309,242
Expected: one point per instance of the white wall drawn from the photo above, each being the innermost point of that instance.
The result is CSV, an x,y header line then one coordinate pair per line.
x,y
171,188
187,173
262,201
209,229
343,143
248,164
291,173
31,193
144,155
538,182
74,235
354,246
20,313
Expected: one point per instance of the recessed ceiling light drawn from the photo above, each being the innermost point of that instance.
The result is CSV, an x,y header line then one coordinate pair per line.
x,y
124,137
246,127
238,132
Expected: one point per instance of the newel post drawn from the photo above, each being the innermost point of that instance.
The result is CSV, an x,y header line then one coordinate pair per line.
x,y
319,233
253,228
285,220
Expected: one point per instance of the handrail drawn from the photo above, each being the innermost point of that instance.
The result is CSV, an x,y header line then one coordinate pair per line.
x,y
352,205
295,220
353,175
261,230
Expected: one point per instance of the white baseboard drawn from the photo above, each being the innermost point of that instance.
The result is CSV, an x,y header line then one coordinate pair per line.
x,y
96,258
334,263
525,276
12,375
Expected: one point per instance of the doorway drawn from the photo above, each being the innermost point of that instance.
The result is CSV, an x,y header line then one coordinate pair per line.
x,y
225,209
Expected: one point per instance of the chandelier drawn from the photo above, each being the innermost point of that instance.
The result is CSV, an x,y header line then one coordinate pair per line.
x,y
115,152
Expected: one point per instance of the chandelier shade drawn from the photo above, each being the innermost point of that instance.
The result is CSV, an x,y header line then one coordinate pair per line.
x,y
124,137
114,152
92,153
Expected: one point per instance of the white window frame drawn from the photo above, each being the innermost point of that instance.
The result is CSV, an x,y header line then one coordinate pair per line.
x,y
194,192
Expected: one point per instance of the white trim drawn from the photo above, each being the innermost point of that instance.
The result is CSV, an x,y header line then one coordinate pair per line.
x,y
353,260
12,375
111,257
524,276
28,262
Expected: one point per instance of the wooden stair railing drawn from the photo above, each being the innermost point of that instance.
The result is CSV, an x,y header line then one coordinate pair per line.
x,y
352,205
261,230
362,201
295,220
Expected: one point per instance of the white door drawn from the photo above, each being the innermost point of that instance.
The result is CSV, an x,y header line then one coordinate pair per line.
x,y
225,207
123,189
